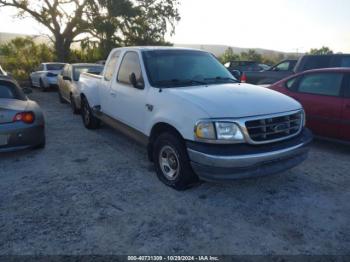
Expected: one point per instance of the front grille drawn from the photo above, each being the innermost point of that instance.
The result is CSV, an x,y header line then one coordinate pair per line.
x,y
275,128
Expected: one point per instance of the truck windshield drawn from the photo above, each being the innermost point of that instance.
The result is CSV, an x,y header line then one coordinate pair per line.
x,y
179,68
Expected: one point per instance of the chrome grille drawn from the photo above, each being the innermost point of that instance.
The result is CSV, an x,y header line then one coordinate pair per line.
x,y
275,128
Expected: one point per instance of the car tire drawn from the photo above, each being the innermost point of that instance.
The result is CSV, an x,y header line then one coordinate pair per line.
x,y
89,120
172,163
42,87
60,97
41,145
73,105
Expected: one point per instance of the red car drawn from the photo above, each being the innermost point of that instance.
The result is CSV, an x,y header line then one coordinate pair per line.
x,y
325,96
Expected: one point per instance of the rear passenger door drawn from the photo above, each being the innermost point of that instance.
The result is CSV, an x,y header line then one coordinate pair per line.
x,y
321,96
345,130
129,101
109,78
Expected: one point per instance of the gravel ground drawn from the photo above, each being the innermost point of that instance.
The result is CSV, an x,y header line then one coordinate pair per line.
x,y
94,192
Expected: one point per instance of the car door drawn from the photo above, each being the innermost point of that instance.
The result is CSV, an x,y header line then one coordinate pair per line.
x,y
345,130
107,96
321,96
129,101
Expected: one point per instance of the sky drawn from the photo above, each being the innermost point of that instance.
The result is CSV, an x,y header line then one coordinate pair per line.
x,y
284,25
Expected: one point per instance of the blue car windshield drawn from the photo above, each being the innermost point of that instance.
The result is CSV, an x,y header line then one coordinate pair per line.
x,y
179,68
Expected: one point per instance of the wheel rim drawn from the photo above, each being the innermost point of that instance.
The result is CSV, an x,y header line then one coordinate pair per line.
x,y
86,114
169,163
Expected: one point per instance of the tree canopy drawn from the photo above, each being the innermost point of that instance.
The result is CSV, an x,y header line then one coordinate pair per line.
x,y
111,23
324,50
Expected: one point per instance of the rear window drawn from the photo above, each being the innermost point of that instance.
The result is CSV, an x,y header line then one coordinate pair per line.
x,y
78,70
54,67
345,62
9,90
317,62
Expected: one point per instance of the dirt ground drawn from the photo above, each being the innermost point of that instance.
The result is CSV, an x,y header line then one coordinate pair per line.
x,y
94,192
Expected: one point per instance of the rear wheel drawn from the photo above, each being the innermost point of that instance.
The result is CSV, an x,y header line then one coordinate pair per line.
x,y
42,86
89,120
73,105
60,97
172,163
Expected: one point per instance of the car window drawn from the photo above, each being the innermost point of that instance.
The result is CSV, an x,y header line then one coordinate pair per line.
x,y
54,67
345,61
111,66
284,66
347,86
78,70
9,90
129,65
290,83
315,62
328,84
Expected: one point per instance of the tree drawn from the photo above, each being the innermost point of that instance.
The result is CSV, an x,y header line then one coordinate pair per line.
x,y
125,22
21,55
324,50
251,55
228,56
55,15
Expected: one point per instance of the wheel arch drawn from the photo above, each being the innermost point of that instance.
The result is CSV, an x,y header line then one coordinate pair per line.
x,y
158,129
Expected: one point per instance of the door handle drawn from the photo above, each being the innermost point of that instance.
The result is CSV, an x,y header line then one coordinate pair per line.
x,y
113,94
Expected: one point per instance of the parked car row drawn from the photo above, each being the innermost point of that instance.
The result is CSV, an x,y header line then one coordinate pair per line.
x,y
45,76
290,67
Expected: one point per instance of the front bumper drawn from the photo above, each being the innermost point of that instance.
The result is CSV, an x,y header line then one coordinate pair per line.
x,y
229,162
21,136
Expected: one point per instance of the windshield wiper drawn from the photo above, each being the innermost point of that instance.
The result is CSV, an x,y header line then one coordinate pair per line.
x,y
219,78
179,82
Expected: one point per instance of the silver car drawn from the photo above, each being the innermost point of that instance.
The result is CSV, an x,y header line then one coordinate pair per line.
x,y
22,123
45,76
69,84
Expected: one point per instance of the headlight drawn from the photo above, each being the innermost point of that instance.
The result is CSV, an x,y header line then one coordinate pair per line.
x,y
228,131
205,130
219,131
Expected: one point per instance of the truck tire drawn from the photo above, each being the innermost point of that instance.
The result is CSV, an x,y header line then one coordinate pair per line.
x,y
42,86
172,163
89,120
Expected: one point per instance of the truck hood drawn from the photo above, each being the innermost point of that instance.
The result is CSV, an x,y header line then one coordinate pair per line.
x,y
236,100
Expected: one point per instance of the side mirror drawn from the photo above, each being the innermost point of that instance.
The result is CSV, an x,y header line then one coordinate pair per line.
x,y
237,74
27,90
135,83
67,78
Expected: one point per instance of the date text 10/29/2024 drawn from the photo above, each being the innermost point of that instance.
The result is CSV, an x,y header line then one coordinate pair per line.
x,y
173,258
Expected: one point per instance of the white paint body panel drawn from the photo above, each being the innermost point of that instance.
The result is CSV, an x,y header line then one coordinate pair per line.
x,y
179,107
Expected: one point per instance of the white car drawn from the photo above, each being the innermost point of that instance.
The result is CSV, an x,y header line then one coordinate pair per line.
x,y
196,120
45,76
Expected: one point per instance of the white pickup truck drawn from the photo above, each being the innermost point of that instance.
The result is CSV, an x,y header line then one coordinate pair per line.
x,y
197,121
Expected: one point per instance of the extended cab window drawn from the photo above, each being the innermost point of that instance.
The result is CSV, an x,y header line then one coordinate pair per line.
x,y
111,66
129,65
328,84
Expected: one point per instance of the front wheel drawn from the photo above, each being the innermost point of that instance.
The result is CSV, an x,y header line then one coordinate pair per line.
x,y
89,120
172,163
